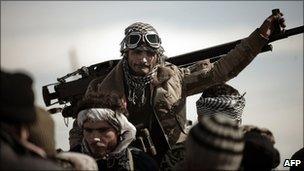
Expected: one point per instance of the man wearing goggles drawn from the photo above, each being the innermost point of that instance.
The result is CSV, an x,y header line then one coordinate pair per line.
x,y
150,86
134,39
142,47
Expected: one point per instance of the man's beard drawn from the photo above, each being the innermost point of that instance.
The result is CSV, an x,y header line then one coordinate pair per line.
x,y
136,85
144,68
101,151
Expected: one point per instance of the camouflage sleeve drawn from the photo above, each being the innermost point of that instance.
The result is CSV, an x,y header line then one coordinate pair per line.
x,y
228,67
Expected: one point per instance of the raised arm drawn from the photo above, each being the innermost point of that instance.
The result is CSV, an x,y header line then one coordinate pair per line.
x,y
230,65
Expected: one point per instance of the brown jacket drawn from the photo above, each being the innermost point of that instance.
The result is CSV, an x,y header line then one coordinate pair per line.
x,y
172,84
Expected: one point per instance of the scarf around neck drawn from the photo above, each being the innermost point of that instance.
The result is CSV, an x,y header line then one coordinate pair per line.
x,y
136,85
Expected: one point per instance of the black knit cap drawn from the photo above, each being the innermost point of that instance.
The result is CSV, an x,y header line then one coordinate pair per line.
x,y
17,98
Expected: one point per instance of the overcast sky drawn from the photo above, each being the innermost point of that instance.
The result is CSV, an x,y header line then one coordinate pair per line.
x,y
37,37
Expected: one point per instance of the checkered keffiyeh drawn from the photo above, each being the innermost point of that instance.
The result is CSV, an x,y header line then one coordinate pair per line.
x,y
230,105
139,27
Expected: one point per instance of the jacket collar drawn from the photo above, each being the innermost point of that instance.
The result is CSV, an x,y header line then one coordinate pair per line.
x,y
115,79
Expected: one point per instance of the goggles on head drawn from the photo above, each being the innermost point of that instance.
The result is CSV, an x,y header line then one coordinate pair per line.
x,y
134,39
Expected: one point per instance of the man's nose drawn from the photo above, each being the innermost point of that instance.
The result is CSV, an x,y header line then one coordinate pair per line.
x,y
95,134
144,60
96,139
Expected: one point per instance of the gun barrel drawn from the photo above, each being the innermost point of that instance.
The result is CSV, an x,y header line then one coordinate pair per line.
x,y
192,57
207,53
287,33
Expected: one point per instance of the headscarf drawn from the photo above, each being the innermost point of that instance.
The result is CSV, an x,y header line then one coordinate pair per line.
x,y
230,106
120,123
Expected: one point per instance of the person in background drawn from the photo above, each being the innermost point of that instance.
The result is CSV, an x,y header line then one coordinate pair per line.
x,y
224,100
17,112
42,134
298,155
214,143
107,133
221,99
259,152
27,132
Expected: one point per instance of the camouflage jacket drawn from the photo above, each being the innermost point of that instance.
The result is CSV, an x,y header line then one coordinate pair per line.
x,y
173,84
